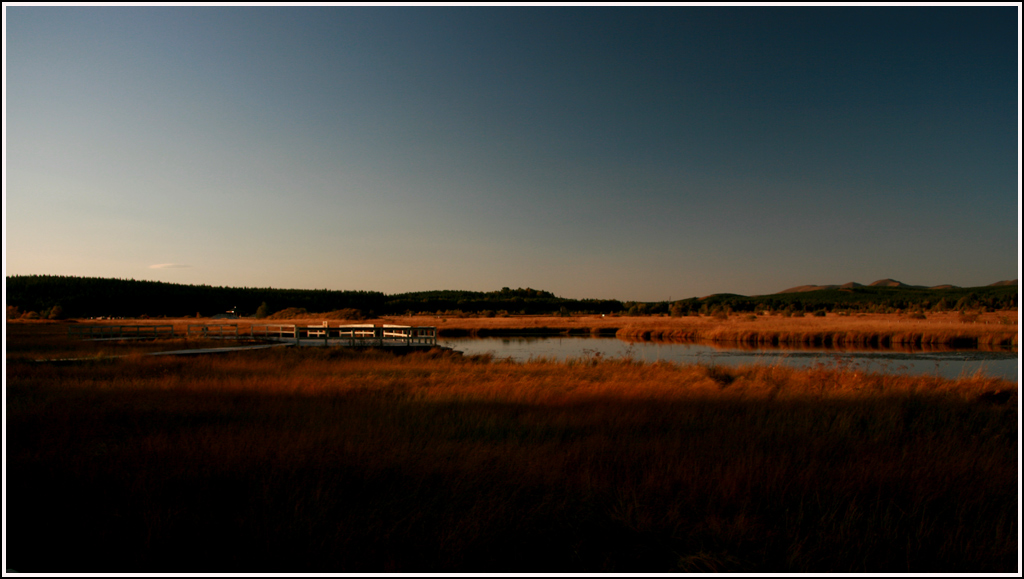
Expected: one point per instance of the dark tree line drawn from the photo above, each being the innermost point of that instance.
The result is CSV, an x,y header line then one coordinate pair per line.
x,y
860,300
81,297
512,301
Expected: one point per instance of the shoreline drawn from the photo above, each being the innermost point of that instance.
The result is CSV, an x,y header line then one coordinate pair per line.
x,y
947,329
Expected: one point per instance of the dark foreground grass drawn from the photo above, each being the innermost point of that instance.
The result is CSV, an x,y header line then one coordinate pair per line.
x,y
324,461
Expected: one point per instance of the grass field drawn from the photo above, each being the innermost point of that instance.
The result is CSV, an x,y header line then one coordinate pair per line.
x,y
317,459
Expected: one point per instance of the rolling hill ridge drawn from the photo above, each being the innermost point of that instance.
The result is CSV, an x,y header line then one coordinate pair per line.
x,y
883,283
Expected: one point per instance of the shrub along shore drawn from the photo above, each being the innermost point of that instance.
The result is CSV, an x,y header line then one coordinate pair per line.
x,y
328,460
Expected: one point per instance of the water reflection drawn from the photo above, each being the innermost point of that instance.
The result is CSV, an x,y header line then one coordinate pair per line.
x,y
860,348
921,359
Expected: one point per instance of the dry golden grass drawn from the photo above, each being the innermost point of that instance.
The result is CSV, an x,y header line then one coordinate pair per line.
x,y
867,329
326,460
943,328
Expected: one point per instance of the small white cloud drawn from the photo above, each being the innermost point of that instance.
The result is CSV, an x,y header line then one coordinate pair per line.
x,y
168,265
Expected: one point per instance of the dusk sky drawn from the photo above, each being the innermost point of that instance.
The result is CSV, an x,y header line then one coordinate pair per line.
x,y
625,153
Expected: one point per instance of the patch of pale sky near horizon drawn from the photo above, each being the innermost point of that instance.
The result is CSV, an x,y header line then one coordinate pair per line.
x,y
554,238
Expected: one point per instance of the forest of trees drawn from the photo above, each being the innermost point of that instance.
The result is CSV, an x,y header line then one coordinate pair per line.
x,y
511,301
864,299
85,297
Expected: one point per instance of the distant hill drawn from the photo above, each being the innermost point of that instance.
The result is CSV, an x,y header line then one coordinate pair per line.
x,y
720,296
847,285
883,283
887,282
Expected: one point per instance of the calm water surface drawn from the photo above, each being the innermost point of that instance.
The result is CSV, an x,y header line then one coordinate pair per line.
x,y
946,363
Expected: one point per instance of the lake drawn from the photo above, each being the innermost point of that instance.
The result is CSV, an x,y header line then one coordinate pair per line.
x,y
942,362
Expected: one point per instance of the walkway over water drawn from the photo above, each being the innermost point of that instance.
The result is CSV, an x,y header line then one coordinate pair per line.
x,y
365,335
121,332
322,334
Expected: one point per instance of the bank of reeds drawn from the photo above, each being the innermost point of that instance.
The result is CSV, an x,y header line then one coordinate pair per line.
x,y
834,331
993,329
327,460
948,329
871,338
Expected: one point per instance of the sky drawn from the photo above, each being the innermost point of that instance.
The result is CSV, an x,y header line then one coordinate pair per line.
x,y
632,153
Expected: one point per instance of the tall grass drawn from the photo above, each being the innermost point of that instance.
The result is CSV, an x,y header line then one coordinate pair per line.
x,y
950,329
870,330
839,331
327,460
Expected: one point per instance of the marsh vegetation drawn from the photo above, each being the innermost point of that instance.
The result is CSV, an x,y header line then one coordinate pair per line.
x,y
322,459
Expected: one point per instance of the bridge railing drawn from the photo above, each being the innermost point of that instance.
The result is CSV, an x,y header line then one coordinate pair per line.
x,y
348,335
121,332
212,331
310,334
273,331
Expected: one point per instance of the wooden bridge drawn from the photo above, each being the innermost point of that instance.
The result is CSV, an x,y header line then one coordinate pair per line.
x,y
348,335
121,332
323,334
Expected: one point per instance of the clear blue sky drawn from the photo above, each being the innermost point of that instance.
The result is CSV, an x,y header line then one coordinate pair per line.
x,y
629,153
